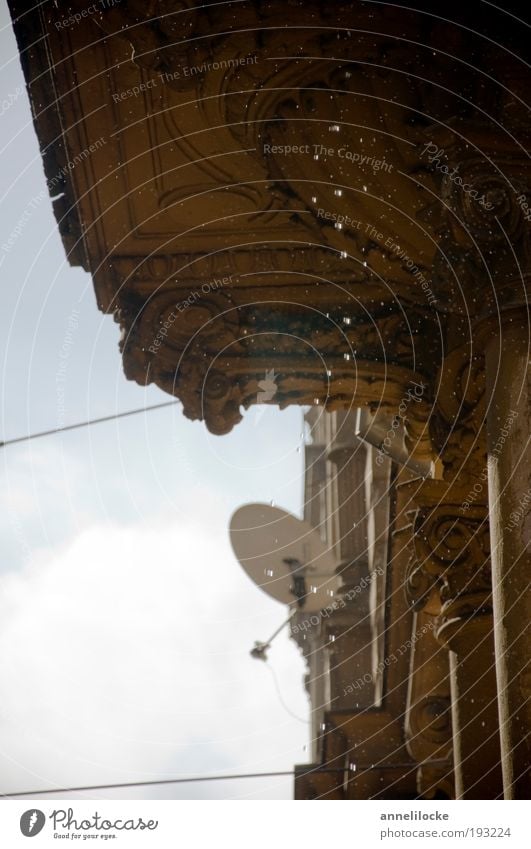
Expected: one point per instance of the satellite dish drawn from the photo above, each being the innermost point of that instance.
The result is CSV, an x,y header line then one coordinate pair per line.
x,y
284,556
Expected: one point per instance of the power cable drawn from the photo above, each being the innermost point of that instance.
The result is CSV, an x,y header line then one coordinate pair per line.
x,y
31,436
152,783
281,700
310,771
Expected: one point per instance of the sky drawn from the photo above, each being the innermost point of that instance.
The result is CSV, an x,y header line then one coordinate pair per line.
x,y
125,620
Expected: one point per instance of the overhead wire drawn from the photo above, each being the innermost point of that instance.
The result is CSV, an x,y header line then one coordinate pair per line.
x,y
359,768
150,783
280,698
87,423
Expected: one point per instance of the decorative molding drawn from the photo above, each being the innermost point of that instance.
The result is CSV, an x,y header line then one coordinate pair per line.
x,y
457,423
453,551
449,554
484,247
430,719
211,350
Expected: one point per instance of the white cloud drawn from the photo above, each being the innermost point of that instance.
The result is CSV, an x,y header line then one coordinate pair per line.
x,y
125,656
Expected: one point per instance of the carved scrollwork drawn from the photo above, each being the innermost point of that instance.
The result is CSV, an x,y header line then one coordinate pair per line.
x,y
211,349
319,118
451,552
483,200
484,230
160,33
419,584
457,421
277,259
173,323
382,337
430,718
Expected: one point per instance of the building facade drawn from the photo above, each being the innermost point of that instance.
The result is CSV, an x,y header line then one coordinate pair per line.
x,y
378,681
